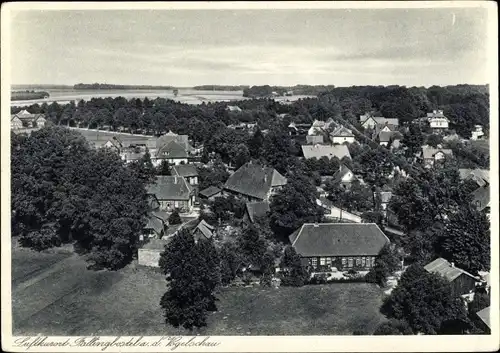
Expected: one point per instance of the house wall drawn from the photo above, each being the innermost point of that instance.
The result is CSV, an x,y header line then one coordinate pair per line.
x,y
40,122
192,180
342,263
342,139
463,284
369,124
438,123
16,123
182,205
149,257
385,144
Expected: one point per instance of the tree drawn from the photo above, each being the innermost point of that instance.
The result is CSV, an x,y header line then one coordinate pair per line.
x,y
145,169
424,300
174,218
230,262
255,143
241,155
164,168
466,240
251,246
193,273
481,301
385,265
294,205
65,192
294,273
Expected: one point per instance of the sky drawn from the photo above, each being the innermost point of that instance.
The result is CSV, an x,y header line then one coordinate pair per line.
x,y
412,47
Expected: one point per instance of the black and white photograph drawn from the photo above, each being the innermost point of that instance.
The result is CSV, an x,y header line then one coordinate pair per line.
x,y
204,172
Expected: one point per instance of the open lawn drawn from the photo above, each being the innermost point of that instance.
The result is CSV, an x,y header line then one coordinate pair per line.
x,y
484,145
54,294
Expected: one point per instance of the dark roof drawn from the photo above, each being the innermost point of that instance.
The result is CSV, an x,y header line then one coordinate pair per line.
x,y
25,115
429,152
338,239
169,187
172,149
382,120
185,170
257,209
206,229
254,180
210,191
169,137
481,197
154,223
444,268
386,136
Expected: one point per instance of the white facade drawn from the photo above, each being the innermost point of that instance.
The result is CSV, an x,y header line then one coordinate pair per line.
x,y
438,123
175,161
343,139
477,133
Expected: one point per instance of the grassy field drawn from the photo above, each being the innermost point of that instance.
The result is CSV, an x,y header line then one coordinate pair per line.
x,y
54,294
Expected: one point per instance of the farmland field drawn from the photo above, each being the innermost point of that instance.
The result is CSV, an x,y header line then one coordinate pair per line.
x,y
54,294
483,145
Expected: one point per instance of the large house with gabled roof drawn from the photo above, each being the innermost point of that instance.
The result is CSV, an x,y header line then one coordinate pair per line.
x,y
342,135
343,246
25,119
172,192
462,282
254,182
317,151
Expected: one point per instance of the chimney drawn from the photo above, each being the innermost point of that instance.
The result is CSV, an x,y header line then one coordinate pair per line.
x,y
265,178
175,179
452,264
315,225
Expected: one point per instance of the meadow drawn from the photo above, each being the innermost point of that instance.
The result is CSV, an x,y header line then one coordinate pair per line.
x,y
54,294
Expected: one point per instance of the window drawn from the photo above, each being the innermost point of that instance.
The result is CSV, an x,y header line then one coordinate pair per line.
x,y
314,262
350,262
358,261
328,261
344,261
368,262
363,262
322,261
373,261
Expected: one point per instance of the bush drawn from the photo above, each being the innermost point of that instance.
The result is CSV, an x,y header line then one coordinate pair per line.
x,y
174,218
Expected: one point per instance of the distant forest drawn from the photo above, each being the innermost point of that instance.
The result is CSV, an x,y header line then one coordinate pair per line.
x,y
266,90
219,88
105,86
27,95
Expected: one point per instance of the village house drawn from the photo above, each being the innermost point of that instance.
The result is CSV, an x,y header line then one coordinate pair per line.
x,y
342,135
481,199
188,171
172,152
431,155
156,225
344,177
254,182
462,282
172,192
254,210
234,108
114,144
203,231
330,151
343,246
480,176
390,137
25,119
295,129
371,122
210,193
314,139
477,133
437,121
131,156
316,128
